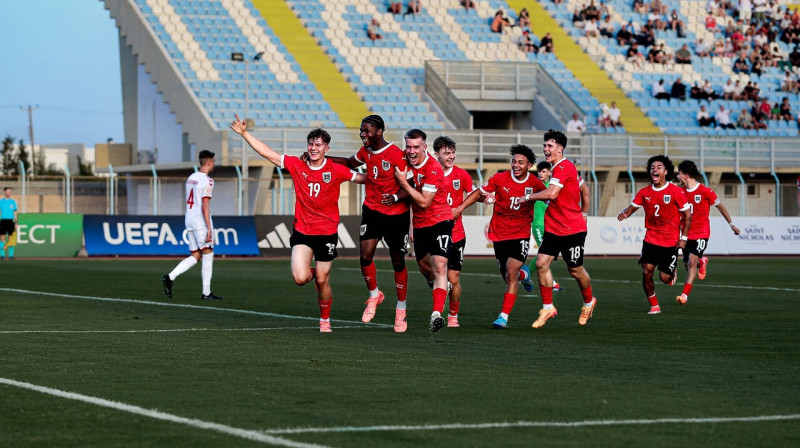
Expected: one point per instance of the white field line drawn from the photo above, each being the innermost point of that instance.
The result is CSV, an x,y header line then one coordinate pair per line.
x,y
172,330
183,305
523,424
256,436
637,282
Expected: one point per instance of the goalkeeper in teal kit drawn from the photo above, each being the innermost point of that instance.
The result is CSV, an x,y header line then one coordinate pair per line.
x,y
537,226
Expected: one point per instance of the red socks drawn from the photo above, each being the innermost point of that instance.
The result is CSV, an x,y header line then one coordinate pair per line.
x,y
325,308
369,276
400,283
454,307
587,295
687,288
508,302
547,294
653,300
439,297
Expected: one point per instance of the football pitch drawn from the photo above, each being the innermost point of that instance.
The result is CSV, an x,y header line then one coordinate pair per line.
x,y
93,354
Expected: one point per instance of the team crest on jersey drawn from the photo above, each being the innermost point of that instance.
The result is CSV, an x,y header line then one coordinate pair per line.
x,y
667,198
419,178
457,184
697,198
326,177
386,165
528,190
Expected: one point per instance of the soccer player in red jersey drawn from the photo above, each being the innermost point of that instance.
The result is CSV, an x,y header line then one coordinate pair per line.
x,y
432,220
564,229
700,198
457,182
316,212
510,226
664,206
385,212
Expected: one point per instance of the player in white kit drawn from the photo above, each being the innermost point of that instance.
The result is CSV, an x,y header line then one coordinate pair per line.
x,y
199,227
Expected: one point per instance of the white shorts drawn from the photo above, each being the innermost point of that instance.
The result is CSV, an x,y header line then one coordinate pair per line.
x,y
197,239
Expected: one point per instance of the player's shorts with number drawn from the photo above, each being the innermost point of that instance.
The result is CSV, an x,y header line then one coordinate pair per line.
x,y
516,249
697,247
196,239
664,258
455,262
570,247
392,228
434,240
323,246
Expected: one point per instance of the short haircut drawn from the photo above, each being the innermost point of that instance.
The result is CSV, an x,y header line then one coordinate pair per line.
x,y
415,133
543,166
443,142
525,151
374,120
667,164
319,133
205,155
6,189
689,168
558,136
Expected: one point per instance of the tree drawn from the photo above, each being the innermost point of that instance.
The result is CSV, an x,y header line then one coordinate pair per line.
x,y
9,167
22,156
85,169
39,165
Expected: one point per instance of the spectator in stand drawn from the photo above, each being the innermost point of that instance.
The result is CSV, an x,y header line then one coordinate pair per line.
x,y
639,7
711,23
523,18
678,89
727,49
701,49
468,4
606,27
657,55
719,48
414,7
526,44
591,12
785,110
740,65
727,90
575,125
591,29
748,93
760,11
610,117
657,20
374,30
547,43
658,7
745,120
676,24
788,83
745,10
703,118
646,36
696,93
395,7
794,56
759,116
708,91
757,66
683,55
723,118
633,56
659,91
499,22
738,90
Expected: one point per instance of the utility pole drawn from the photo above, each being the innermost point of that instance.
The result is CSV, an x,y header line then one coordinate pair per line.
x,y
30,133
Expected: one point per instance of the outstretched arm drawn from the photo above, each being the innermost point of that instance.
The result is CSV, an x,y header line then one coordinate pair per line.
x,y
240,127
625,214
727,216
545,195
471,198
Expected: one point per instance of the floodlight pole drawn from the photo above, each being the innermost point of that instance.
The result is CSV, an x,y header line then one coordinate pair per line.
x,y
30,110
239,57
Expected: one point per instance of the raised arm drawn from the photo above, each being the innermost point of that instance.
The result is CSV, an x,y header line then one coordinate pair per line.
x,y
240,127
627,212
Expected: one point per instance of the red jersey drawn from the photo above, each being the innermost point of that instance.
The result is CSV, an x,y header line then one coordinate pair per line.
x,y
380,177
701,199
317,189
662,213
457,182
512,218
429,176
564,216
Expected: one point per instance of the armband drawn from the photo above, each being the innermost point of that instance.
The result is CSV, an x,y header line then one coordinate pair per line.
x,y
585,214
395,198
684,238
527,197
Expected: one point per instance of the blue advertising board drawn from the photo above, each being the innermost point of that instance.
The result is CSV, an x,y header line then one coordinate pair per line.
x,y
164,235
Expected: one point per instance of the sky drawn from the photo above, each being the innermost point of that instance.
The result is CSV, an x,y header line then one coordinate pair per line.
x,y
62,56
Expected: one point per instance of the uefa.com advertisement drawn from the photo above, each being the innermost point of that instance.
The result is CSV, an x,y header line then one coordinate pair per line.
x,y
164,235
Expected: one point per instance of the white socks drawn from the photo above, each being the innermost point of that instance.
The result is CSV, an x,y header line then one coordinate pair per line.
x,y
208,265
182,267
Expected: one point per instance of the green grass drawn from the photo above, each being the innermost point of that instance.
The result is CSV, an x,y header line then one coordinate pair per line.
x,y
731,352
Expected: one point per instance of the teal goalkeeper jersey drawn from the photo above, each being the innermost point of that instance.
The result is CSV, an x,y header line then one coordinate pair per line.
x,y
7,208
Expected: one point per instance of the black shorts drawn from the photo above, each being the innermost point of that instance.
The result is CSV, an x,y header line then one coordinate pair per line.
x,y
434,240
664,258
696,247
392,228
569,246
516,249
7,226
323,246
456,260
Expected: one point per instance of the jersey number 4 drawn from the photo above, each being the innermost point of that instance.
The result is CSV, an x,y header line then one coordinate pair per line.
x,y
190,200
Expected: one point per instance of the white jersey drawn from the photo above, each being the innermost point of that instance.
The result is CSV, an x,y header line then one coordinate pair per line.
x,y
198,186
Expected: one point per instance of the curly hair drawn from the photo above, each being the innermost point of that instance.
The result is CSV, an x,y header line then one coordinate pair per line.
x,y
525,151
667,164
